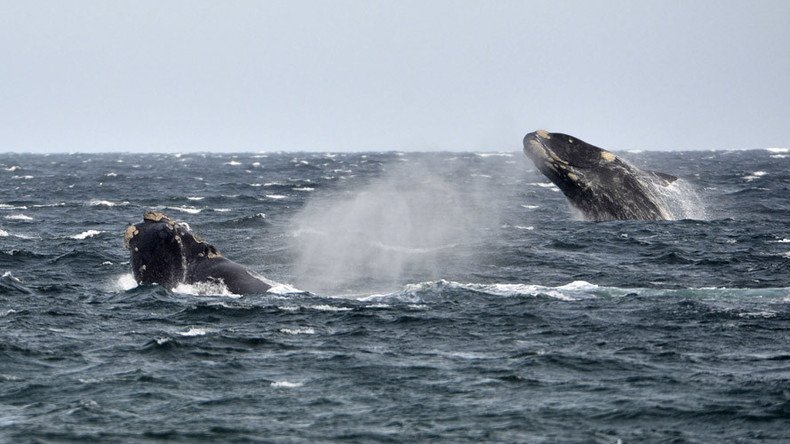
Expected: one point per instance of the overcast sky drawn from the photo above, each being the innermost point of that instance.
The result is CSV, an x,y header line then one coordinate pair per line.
x,y
392,75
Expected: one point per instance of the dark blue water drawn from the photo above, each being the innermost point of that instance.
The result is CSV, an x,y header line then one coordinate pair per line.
x,y
426,297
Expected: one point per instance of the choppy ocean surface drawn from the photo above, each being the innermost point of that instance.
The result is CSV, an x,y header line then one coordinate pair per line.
x,y
426,297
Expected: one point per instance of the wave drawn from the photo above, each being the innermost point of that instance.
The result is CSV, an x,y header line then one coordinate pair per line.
x,y
11,284
573,291
21,217
105,203
185,209
755,175
193,332
86,234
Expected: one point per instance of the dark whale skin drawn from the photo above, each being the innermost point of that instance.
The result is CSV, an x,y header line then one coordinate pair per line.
x,y
595,181
167,253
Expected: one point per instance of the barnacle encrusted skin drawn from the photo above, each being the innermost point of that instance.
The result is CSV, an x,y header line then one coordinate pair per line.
x,y
130,232
154,216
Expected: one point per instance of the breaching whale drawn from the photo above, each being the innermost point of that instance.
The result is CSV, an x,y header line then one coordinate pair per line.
x,y
596,182
167,253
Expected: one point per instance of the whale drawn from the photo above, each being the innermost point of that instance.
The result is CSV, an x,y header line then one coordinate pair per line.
x,y
166,252
596,182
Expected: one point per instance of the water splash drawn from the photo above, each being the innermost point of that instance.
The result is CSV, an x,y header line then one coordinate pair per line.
x,y
406,225
680,200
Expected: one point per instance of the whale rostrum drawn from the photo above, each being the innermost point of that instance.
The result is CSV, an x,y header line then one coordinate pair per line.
x,y
166,252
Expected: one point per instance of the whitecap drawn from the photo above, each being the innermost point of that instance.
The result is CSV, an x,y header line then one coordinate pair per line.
x,y
530,207
86,234
569,292
13,168
518,290
778,150
281,289
19,217
8,275
3,233
755,175
579,285
286,384
195,197
303,189
25,236
324,307
233,163
544,185
185,209
105,203
221,210
782,241
28,177
758,314
520,227
111,174
194,332
298,331
12,207
276,196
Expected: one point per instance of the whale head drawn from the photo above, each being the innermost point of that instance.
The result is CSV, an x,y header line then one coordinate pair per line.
x,y
162,250
595,181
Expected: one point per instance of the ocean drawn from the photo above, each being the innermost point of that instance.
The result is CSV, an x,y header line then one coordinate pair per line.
x,y
441,296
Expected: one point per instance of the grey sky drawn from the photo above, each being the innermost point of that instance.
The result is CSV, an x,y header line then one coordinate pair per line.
x,y
408,75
